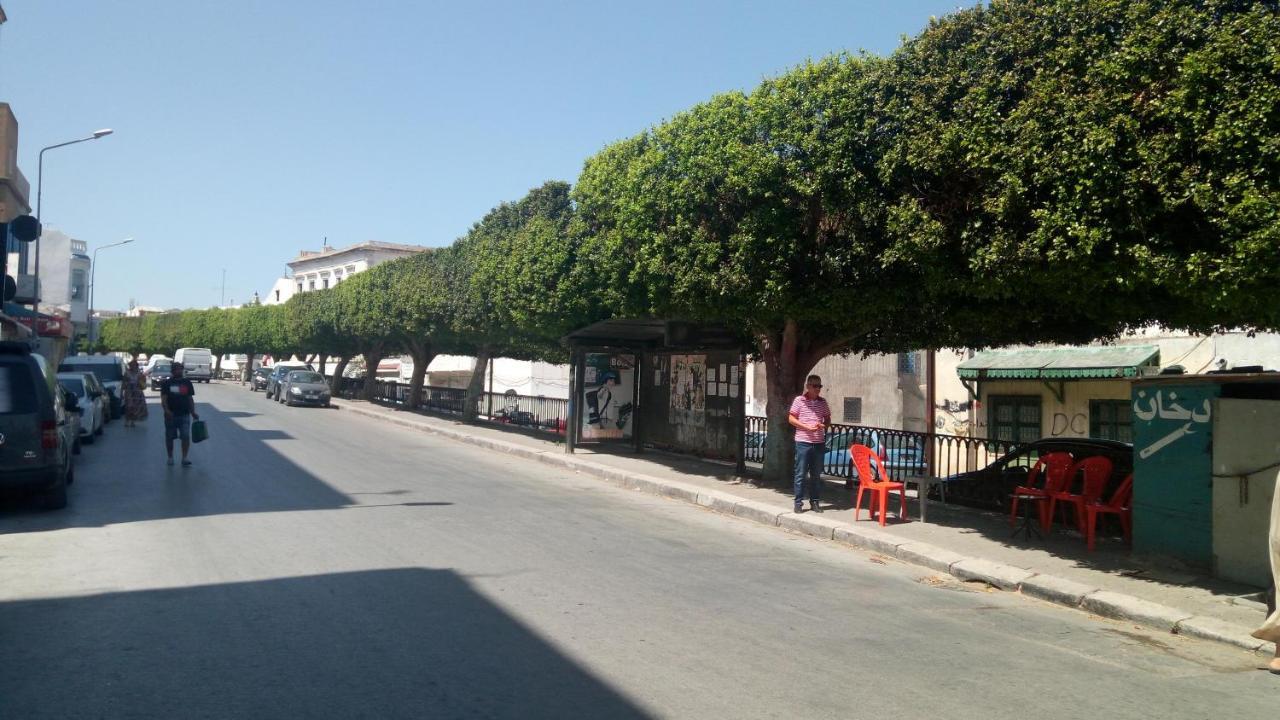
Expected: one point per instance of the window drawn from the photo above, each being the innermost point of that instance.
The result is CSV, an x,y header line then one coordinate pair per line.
x,y
299,287
311,284
852,410
326,283
908,363
1014,418
77,284
1111,420
277,296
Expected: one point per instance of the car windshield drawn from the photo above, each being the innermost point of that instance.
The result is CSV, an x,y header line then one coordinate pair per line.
x,y
305,377
17,391
106,372
162,368
75,385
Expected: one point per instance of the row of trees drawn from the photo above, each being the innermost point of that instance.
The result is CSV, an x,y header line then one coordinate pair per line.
x,y
1049,171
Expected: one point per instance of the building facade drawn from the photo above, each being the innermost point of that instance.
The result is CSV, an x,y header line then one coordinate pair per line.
x,y
327,267
64,278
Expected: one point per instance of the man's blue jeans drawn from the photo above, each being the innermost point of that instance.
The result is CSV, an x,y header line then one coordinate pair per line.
x,y
809,463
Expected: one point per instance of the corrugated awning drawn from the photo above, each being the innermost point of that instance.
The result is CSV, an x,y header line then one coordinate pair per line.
x,y
1062,363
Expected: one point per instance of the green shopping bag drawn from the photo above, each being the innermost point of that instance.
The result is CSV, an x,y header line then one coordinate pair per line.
x,y
199,431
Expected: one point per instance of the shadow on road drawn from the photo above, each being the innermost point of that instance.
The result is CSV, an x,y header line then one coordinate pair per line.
x,y
378,644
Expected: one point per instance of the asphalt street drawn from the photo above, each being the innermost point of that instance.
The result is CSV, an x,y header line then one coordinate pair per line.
x,y
314,563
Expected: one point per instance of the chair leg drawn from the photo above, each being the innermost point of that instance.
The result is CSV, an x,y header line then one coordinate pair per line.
x,y
857,506
884,504
1013,514
1126,524
902,503
1046,514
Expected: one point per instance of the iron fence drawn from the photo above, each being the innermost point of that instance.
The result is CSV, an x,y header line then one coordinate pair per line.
x,y
903,453
539,413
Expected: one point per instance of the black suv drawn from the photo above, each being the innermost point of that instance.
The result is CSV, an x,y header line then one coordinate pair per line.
x,y
36,432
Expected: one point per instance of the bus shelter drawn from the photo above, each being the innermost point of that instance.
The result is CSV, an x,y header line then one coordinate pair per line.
x,y
659,384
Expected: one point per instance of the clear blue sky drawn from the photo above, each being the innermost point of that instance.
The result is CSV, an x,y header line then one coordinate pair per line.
x,y
246,130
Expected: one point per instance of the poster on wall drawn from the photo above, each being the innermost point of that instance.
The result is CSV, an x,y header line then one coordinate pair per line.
x,y
689,387
607,396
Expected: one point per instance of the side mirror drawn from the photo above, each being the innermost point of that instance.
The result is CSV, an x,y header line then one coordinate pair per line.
x,y
71,402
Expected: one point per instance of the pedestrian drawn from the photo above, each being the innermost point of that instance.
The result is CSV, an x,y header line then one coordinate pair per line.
x,y
809,415
177,399
135,399
1270,629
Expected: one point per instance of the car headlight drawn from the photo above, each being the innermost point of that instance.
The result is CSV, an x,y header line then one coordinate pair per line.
x,y
294,391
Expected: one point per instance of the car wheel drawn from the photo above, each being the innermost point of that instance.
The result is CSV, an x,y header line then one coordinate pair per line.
x,y
289,402
100,429
75,447
89,439
55,498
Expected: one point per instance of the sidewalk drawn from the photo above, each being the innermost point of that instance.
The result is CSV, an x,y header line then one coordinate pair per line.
x,y
965,543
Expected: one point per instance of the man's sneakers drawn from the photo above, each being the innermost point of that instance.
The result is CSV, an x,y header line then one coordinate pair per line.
x,y
169,461
186,463
799,508
813,505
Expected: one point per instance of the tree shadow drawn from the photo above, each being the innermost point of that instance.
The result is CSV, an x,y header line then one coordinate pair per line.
x,y
399,643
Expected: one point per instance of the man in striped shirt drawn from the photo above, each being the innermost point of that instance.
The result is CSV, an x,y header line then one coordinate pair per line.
x,y
809,415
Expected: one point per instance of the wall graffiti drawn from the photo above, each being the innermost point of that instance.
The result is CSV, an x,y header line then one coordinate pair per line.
x,y
1077,424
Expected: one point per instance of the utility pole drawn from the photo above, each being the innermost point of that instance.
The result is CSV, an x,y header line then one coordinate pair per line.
x,y
223,303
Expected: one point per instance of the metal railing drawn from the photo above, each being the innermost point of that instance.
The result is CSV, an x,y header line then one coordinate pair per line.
x,y
538,413
903,452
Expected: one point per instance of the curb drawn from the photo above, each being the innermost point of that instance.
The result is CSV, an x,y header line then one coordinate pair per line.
x,y
1049,588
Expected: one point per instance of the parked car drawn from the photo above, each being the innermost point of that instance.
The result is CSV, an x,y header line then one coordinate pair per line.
x,y
304,387
989,487
900,453
36,430
278,372
110,372
154,360
161,371
258,381
92,400
71,402
197,363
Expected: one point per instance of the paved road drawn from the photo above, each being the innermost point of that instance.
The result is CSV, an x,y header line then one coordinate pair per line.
x,y
318,564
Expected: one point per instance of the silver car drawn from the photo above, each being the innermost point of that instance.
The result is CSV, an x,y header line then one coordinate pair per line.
x,y
303,387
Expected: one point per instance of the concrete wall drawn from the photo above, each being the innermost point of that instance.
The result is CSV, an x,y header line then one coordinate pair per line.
x,y
1246,436
1068,418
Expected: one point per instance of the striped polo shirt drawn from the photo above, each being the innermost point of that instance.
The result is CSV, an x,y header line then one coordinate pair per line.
x,y
810,411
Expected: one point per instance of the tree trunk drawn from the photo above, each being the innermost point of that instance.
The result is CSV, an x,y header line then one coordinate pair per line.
x,y
246,372
335,382
422,357
323,362
475,388
372,359
217,366
787,363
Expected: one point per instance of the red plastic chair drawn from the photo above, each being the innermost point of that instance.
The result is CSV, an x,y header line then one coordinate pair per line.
x,y
863,459
1120,504
1096,471
1053,467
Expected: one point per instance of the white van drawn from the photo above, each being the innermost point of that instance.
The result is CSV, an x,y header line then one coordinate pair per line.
x,y
197,363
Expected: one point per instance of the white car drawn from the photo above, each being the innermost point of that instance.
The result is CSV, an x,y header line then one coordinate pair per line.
x,y
93,401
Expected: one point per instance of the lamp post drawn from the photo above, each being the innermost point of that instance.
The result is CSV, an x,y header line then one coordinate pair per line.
x,y
35,306
93,271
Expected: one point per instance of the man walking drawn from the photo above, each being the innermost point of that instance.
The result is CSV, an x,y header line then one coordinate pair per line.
x,y
177,398
809,415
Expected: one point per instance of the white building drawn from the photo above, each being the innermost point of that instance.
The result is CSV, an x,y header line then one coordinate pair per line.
x,y
327,267
64,277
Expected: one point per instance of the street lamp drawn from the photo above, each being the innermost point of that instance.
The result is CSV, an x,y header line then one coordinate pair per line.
x,y
93,271
35,306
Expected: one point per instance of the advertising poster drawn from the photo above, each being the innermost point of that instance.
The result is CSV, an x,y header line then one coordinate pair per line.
x,y
608,390
689,388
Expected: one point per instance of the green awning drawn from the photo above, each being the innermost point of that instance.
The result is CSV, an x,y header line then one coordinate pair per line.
x,y
1062,363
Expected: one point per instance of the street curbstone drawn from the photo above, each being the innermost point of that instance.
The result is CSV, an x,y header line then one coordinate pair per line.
x,y
1126,607
721,502
644,484
930,556
869,539
1056,590
1005,577
680,491
820,528
757,511
1219,631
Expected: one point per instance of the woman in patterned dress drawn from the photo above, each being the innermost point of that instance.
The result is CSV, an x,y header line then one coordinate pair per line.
x,y
135,401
